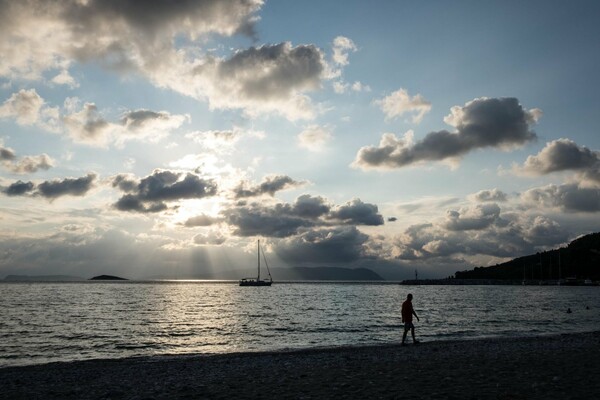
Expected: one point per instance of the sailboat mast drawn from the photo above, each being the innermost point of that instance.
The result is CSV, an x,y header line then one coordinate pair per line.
x,y
258,247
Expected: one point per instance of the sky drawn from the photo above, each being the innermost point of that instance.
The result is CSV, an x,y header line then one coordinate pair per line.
x,y
162,139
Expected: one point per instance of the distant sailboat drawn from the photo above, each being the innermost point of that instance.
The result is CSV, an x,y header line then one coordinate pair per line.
x,y
258,281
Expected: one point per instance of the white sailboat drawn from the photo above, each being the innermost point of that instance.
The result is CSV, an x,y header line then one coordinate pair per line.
x,y
257,281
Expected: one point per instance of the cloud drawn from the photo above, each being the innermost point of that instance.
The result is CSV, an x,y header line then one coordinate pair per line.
x,y
564,155
31,164
68,186
258,220
270,185
341,47
164,42
567,197
328,245
486,122
200,220
285,219
24,106
123,35
6,153
307,206
52,189
18,188
210,239
315,137
476,218
150,194
357,212
89,126
259,80
493,195
399,103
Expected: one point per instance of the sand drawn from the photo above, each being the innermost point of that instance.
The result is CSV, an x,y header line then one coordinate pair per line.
x,y
547,367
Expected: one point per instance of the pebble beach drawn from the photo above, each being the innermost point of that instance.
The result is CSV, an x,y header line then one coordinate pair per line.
x,y
546,367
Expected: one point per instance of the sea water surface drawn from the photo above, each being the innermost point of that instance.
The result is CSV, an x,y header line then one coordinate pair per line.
x,y
46,322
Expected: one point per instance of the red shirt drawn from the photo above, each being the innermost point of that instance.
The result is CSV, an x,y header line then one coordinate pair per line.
x,y
407,311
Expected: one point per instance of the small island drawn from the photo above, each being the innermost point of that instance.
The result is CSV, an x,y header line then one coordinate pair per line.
x,y
107,278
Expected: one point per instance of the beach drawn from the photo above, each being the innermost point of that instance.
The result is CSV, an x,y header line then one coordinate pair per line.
x,y
548,367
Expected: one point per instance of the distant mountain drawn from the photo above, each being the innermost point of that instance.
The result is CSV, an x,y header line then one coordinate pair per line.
x,y
291,274
580,259
42,278
107,278
324,274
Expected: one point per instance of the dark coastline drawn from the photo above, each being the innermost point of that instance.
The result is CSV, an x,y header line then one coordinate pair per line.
x,y
545,367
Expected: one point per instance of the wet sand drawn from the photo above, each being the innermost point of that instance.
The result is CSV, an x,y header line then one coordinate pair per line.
x,y
547,367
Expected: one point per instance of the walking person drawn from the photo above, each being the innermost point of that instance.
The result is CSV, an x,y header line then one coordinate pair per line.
x,y
407,313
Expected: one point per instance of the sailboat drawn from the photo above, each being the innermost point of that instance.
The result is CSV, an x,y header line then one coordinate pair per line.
x,y
257,281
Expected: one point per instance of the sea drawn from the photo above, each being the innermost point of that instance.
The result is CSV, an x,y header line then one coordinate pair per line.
x,y
42,322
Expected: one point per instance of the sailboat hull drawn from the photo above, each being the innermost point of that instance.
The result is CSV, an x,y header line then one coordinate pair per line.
x,y
254,282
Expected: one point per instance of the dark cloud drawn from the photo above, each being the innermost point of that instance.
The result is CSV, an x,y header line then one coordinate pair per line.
x,y
481,123
68,186
270,185
356,212
392,219
284,219
493,195
200,220
290,68
560,155
7,154
255,219
329,245
19,188
150,193
307,206
568,197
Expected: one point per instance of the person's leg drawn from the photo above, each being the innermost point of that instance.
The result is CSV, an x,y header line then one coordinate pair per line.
x,y
404,336
412,332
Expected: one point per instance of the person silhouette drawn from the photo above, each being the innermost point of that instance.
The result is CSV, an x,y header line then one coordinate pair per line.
x,y
407,314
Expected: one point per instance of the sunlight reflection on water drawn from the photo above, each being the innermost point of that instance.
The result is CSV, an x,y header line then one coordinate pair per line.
x,y
44,322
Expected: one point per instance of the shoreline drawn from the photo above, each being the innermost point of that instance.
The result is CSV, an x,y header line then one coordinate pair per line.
x,y
548,366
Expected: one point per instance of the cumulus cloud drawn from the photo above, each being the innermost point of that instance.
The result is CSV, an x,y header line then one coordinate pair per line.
x,y
400,102
163,42
357,212
285,219
484,235
564,155
6,153
54,188
270,185
265,79
341,47
200,220
89,126
37,36
486,122
567,197
31,164
315,137
327,245
151,194
68,186
211,239
18,188
476,218
258,220
27,107
493,195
